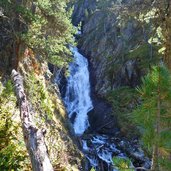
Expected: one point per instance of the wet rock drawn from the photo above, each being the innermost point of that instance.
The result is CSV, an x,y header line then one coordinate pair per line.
x,y
72,119
135,153
60,79
101,119
51,67
100,149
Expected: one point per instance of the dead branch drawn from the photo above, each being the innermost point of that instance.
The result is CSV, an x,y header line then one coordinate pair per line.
x,y
33,136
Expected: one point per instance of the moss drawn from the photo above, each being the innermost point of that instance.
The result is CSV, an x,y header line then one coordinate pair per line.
x,y
39,96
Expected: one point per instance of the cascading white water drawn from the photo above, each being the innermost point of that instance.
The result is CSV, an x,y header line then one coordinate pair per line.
x,y
77,97
98,149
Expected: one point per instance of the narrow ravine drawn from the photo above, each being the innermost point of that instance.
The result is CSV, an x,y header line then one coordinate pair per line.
x,y
99,149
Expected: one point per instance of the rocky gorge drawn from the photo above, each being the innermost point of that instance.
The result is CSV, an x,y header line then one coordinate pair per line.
x,y
84,67
95,128
114,49
107,45
119,55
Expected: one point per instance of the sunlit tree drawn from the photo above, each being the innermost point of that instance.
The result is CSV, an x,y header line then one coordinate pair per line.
x,y
42,27
153,116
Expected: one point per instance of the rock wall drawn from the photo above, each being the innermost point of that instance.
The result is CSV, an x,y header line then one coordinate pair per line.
x,y
107,40
82,8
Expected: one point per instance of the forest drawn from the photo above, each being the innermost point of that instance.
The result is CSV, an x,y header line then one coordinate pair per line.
x,y
85,85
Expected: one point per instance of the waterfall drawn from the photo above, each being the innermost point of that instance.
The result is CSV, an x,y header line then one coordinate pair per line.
x,y
77,98
99,149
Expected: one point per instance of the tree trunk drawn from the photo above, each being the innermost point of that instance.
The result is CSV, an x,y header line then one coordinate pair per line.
x,y
167,34
33,137
155,164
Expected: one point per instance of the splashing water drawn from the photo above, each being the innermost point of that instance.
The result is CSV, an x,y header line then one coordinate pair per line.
x,y
77,97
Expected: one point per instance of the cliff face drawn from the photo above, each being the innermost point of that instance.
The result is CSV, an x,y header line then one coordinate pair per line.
x,y
82,9
107,51
119,54
110,43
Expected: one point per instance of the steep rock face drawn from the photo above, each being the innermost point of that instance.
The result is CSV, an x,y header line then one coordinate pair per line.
x,y
49,113
119,55
82,9
107,41
107,46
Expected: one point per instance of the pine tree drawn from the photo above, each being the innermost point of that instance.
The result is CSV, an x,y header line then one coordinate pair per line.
x,y
153,116
43,27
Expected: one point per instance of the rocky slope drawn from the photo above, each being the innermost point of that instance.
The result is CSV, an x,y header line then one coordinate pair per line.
x,y
49,114
46,107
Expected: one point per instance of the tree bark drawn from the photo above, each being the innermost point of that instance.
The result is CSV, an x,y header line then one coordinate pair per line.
x,y
33,137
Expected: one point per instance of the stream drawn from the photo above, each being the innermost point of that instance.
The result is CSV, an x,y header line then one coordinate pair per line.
x,y
99,149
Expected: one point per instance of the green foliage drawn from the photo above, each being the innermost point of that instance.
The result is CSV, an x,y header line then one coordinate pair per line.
x,y
141,51
146,53
25,13
43,26
12,157
6,4
52,30
156,17
122,97
123,101
122,164
153,115
92,169
12,149
39,97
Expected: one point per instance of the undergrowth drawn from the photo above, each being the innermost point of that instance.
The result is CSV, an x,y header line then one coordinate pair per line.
x,y
123,101
13,154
